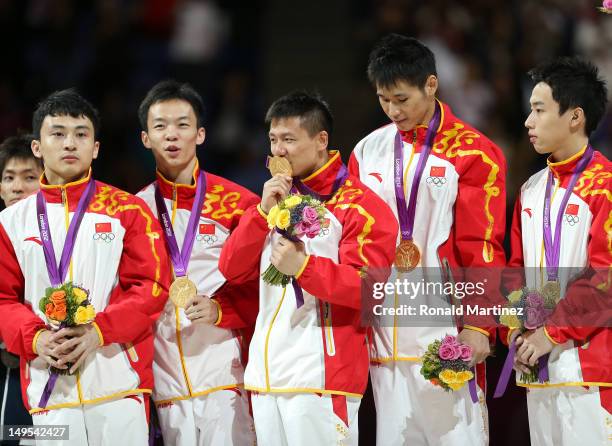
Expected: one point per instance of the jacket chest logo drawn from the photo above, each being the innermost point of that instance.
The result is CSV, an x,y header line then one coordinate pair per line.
x,y
571,214
206,233
324,227
103,232
437,176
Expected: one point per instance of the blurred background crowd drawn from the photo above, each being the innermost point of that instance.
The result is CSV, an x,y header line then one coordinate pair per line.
x,y
242,55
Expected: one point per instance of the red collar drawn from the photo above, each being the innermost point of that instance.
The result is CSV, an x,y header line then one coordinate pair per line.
x,y
408,135
566,167
183,191
71,191
322,180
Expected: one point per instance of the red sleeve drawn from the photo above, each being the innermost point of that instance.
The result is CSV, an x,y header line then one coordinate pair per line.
x,y
369,234
353,166
479,228
239,304
241,253
587,305
19,323
144,275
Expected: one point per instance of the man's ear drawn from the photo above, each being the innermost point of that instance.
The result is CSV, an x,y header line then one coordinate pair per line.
x,y
431,85
144,137
35,146
201,136
323,139
577,119
96,149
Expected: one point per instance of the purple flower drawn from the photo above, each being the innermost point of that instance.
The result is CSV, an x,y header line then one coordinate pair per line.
x,y
309,215
313,230
607,4
465,352
449,352
534,300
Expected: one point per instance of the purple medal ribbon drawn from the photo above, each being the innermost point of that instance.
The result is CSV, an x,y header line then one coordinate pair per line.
x,y
341,177
407,214
180,259
57,275
552,248
504,377
472,387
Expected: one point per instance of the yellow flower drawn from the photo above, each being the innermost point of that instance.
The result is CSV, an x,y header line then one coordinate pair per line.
x,y
84,315
515,296
293,201
510,321
448,376
283,219
79,295
456,386
272,216
464,376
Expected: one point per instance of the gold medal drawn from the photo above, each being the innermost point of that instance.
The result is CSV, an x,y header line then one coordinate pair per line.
x,y
551,291
279,164
181,290
407,256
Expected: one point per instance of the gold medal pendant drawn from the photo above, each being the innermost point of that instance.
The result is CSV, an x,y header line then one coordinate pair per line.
x,y
551,291
181,290
279,164
407,256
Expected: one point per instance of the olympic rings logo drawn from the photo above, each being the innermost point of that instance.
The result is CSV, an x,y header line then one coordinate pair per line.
x,y
571,219
436,181
324,232
209,239
104,236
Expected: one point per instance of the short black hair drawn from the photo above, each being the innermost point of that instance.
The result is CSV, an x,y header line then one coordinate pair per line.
x,y
65,103
17,147
575,82
398,58
166,91
314,113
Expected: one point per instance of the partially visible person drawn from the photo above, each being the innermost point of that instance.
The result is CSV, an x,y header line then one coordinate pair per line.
x,y
563,224
20,172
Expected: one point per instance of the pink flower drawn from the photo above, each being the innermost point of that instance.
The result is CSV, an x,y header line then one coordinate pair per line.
x,y
449,352
313,230
607,4
535,317
300,229
465,352
449,340
309,215
534,300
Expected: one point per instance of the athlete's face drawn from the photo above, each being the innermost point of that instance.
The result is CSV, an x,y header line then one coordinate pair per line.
x,y
408,105
548,131
19,179
67,145
172,134
305,153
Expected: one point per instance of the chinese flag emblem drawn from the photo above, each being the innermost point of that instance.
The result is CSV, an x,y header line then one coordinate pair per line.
x,y
437,171
207,228
103,227
571,209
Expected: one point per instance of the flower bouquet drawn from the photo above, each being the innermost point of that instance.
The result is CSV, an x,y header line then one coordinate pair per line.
x,y
606,6
66,306
531,311
446,363
294,217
